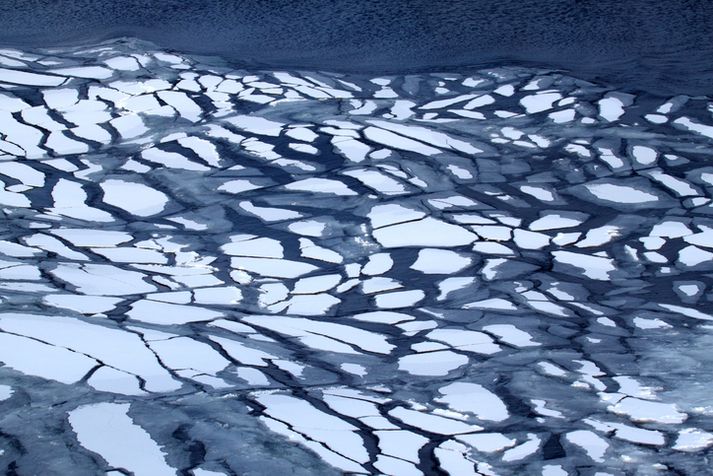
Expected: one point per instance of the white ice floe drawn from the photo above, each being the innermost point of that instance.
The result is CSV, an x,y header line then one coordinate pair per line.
x,y
693,439
107,430
611,108
594,267
639,410
154,312
423,233
594,445
473,398
436,261
136,198
432,363
512,335
539,102
29,79
321,185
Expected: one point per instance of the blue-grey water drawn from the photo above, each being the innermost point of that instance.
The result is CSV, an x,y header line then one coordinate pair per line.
x,y
660,46
400,238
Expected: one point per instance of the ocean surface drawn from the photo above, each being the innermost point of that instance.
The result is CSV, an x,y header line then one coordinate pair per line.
x,y
658,46
400,238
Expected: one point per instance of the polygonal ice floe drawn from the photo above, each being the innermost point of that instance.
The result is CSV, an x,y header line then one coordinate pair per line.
x,y
647,411
136,198
426,232
436,261
107,430
473,398
432,363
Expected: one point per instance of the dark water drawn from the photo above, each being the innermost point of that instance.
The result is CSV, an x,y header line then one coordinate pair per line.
x,y
664,47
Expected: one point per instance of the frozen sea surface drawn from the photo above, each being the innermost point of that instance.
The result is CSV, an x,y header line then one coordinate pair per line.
x,y
211,271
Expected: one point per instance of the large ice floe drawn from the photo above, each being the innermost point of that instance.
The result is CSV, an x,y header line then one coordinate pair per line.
x,y
212,271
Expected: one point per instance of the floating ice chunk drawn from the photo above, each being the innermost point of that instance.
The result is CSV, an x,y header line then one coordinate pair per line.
x,y
693,439
183,105
435,138
594,267
378,181
172,160
435,261
92,238
473,398
32,357
539,102
308,228
378,263
108,430
301,133
687,311
82,304
492,303
442,103
163,313
390,214
114,347
599,236
256,125
426,232
23,172
539,193
611,108
432,423
620,193
5,392
396,141
268,213
136,198
249,245
316,284
680,187
321,185
469,341
644,155
511,334
102,280
432,363
480,101
593,444
693,256
647,411
556,221
339,337
29,79
399,299
697,127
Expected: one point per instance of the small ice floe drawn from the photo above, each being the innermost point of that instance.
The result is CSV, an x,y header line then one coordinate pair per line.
x,y
594,267
693,439
639,410
107,430
25,78
473,398
423,233
594,445
136,198
436,261
321,185
432,363
539,102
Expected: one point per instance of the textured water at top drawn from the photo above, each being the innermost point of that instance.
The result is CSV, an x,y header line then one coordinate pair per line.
x,y
658,46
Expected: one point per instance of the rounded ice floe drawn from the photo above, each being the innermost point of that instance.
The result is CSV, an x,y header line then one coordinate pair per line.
x,y
473,398
136,198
